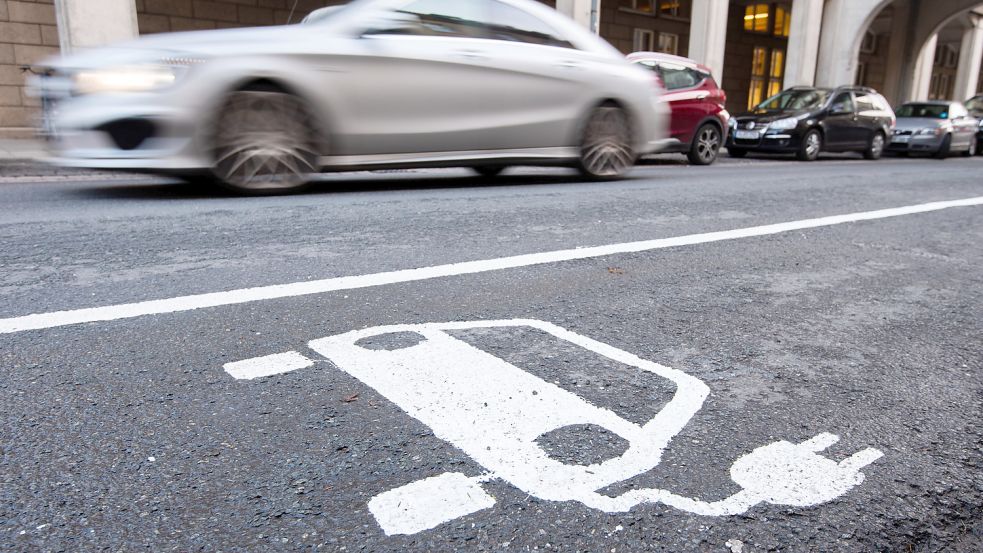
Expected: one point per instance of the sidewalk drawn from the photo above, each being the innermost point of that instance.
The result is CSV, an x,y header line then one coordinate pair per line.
x,y
21,149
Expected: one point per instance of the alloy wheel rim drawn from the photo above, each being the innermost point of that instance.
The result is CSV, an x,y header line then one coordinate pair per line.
x,y
878,145
708,144
263,142
812,144
606,151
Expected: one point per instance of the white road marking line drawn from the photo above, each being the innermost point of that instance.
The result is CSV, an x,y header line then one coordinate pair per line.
x,y
199,301
268,365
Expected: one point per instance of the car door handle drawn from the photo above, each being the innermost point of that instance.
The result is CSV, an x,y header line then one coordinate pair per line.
x,y
569,64
702,95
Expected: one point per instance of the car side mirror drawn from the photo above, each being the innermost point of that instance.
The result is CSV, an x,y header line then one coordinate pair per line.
x,y
391,23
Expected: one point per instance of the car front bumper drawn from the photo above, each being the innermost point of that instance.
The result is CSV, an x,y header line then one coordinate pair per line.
x,y
777,141
927,143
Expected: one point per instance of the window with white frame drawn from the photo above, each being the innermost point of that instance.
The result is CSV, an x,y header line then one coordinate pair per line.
x,y
644,40
869,44
668,43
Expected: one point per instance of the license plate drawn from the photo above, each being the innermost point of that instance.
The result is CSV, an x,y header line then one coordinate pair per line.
x,y
904,139
747,135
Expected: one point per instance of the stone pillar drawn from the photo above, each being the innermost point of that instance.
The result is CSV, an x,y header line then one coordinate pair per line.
x,y
898,56
844,23
921,80
970,59
708,34
585,12
803,42
86,23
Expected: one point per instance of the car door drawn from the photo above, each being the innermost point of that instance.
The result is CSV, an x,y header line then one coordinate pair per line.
x,y
964,127
536,85
840,125
417,81
686,97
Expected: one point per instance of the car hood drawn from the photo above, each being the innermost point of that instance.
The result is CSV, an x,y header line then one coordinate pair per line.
x,y
769,116
194,44
912,123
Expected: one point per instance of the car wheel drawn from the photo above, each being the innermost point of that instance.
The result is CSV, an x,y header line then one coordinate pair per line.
x,y
812,144
945,148
736,153
971,151
876,147
706,145
264,143
489,171
605,148
979,147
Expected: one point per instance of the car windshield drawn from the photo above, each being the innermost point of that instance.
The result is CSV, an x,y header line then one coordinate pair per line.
x,y
976,104
794,100
931,111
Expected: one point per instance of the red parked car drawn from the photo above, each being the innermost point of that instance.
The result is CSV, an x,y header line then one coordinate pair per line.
x,y
699,120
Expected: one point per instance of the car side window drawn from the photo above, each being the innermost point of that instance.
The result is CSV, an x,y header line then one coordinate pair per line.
x,y
865,102
676,77
843,103
447,18
514,25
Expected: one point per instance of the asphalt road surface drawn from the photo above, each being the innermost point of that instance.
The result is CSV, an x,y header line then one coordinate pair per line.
x,y
670,362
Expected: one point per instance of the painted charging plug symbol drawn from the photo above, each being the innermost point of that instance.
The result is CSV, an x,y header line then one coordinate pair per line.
x,y
495,412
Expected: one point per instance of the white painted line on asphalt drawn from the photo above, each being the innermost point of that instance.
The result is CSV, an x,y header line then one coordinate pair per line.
x,y
268,365
245,295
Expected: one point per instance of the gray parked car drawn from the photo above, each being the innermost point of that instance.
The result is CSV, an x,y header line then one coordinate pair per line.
x,y
935,127
374,84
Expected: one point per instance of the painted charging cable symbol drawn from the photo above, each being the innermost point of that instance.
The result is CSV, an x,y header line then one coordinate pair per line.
x,y
495,412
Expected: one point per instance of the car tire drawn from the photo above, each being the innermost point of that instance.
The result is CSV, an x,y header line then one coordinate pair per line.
x,y
971,150
264,143
979,147
489,171
812,145
875,149
706,145
606,151
736,153
945,148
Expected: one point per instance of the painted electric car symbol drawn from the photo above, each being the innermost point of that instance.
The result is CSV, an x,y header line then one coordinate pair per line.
x,y
495,412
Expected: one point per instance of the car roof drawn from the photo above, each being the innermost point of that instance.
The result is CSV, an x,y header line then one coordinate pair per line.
x,y
660,56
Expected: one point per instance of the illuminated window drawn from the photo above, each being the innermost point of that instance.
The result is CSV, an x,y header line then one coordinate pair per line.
x,y
668,43
644,6
757,18
670,8
644,40
777,72
783,22
759,76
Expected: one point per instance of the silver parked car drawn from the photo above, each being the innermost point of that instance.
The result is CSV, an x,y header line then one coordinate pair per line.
x,y
934,127
374,84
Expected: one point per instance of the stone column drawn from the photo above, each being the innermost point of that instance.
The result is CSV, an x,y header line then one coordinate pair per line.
x,y
585,12
922,78
86,23
803,42
970,59
708,34
844,23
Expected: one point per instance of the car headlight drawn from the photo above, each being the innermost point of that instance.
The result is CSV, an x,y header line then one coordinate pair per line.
x,y
732,123
131,78
784,124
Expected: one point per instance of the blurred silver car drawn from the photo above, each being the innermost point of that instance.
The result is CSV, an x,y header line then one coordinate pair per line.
x,y
374,84
934,127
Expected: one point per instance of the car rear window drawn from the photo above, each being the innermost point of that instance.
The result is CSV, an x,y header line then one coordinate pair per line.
x,y
931,111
